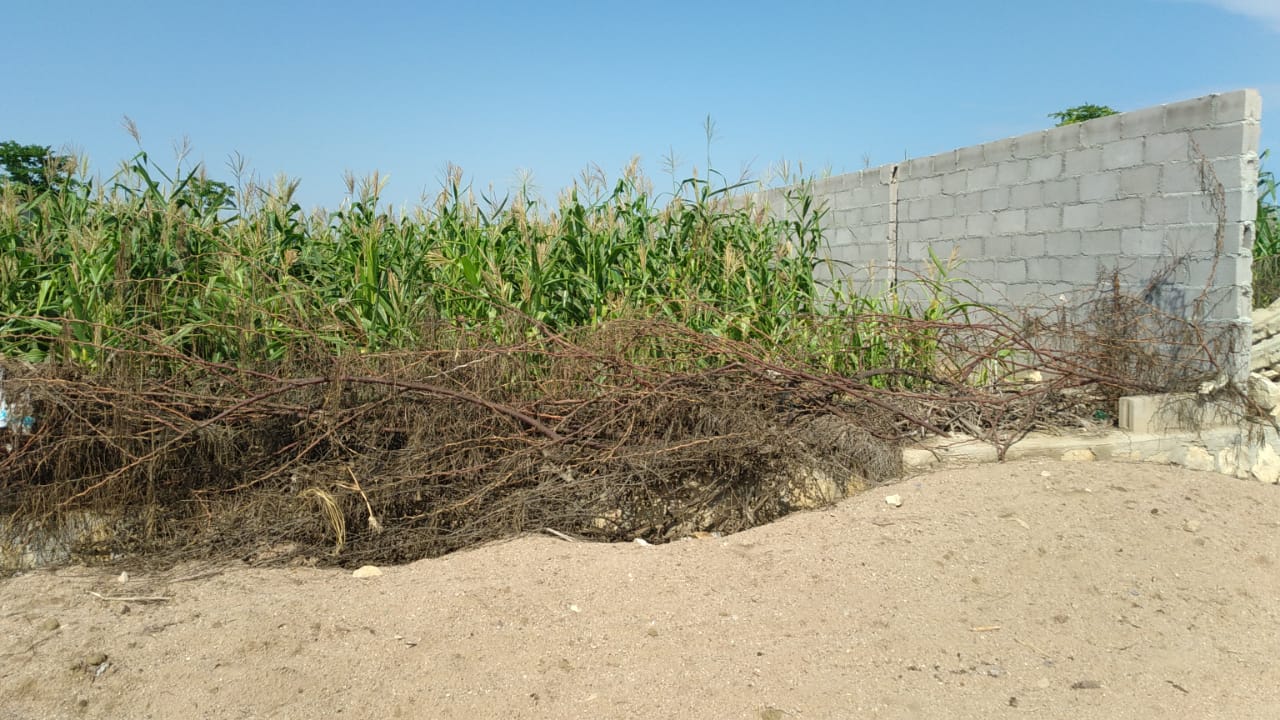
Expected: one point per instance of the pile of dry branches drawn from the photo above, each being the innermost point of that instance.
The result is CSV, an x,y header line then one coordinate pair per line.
x,y
635,429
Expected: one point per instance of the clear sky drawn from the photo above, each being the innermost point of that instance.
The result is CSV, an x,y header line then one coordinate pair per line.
x,y
316,88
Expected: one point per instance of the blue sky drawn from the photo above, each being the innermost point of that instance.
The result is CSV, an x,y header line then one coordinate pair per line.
x,y
315,88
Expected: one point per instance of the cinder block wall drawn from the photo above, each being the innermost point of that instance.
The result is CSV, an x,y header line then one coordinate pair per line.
x,y
1037,216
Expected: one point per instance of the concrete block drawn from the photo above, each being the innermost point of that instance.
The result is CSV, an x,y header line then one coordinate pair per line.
x,y
1063,139
1242,104
908,188
1141,123
930,186
1166,148
1237,205
1099,186
955,182
1043,269
1226,140
1026,197
1045,168
969,247
1237,105
1141,180
1189,114
1011,221
1028,246
864,196
1181,177
1100,242
951,227
840,237
1083,162
888,173
996,198
1081,216
979,268
920,249
944,163
942,206
1061,192
1234,173
916,209
1173,412
1165,209
1041,219
1012,172
981,178
1122,154
931,229
998,246
969,203
1029,146
1101,131
1079,271
1011,271
970,158
908,231
1062,244
980,224
917,168
998,151
1122,213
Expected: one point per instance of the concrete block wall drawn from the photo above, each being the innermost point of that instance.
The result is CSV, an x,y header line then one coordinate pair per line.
x,y
1038,216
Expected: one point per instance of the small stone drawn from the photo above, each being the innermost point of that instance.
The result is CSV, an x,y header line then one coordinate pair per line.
x,y
894,500
994,671
1079,455
1045,473
1191,526
50,624
125,610
94,659
124,578
367,571
1086,685
575,608
642,541
1042,683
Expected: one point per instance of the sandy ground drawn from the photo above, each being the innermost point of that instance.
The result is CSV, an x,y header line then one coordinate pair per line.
x,y
1031,589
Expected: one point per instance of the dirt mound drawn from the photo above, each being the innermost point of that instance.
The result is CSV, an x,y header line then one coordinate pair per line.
x,y
1040,588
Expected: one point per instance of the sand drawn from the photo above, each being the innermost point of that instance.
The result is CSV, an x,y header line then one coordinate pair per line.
x,y
1028,589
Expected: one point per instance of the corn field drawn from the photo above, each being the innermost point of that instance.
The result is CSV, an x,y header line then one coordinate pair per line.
x,y
243,274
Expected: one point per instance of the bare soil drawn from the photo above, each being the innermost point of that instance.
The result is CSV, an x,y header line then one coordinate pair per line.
x,y
1032,589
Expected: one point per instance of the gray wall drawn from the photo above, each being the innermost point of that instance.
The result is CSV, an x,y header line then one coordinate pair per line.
x,y
1038,216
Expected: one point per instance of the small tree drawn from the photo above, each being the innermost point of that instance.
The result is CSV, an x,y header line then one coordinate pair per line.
x,y
1080,113
33,166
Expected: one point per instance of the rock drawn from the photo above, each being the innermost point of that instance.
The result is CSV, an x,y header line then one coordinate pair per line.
x,y
810,488
1191,526
368,571
1079,455
1264,393
1267,466
1197,458
124,578
94,659
50,624
894,500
